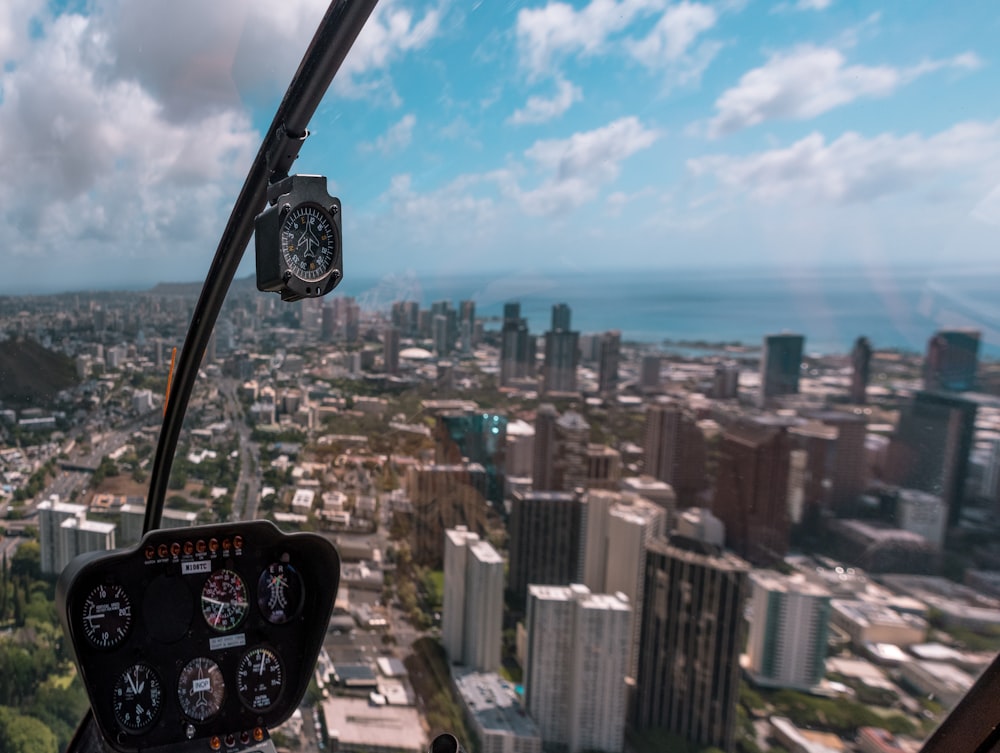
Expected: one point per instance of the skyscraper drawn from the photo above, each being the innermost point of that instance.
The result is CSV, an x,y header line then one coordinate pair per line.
x,y
952,360
691,638
619,529
674,450
577,653
788,630
649,377
609,354
443,497
543,467
561,353
516,358
751,496
861,364
930,451
472,616
390,349
546,540
781,363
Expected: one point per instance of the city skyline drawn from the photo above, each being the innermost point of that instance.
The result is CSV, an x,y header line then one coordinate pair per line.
x,y
539,135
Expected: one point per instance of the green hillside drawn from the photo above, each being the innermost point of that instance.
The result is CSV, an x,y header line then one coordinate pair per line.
x,y
31,375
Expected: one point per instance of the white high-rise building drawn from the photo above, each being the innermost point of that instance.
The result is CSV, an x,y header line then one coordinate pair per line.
x,y
619,528
577,659
472,617
64,532
788,630
483,608
52,513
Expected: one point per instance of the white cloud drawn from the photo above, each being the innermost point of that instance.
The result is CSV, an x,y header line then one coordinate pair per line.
x,y
397,138
15,19
579,167
813,4
673,35
541,110
544,34
809,81
959,161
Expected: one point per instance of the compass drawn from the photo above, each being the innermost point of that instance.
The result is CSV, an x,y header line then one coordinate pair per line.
x,y
298,239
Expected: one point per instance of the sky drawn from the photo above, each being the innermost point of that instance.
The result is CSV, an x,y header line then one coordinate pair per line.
x,y
507,136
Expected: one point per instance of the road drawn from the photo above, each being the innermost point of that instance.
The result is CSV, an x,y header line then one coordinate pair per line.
x,y
246,496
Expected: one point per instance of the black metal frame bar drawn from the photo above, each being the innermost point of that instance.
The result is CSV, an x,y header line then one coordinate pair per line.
x,y
332,41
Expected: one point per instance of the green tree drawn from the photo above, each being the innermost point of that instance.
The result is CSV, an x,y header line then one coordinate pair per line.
x,y
27,561
24,734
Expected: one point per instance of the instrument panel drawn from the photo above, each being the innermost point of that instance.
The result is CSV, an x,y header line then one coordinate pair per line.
x,y
199,638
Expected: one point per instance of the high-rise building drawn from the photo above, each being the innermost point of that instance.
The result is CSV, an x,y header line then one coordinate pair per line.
x,y
543,468
692,634
619,528
751,496
572,442
328,325
726,381
476,436
790,619
516,354
64,532
390,349
561,353
443,497
472,615
546,540
930,451
861,365
578,644
849,471
952,360
609,355
781,363
649,375
675,450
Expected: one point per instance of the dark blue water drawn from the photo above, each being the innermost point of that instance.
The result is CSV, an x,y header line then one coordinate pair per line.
x,y
894,309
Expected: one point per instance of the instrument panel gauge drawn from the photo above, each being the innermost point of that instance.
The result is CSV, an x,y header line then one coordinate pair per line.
x,y
224,602
107,615
137,697
259,679
279,593
201,689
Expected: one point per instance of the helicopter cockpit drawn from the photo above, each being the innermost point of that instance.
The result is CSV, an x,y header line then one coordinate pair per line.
x,y
201,638
204,639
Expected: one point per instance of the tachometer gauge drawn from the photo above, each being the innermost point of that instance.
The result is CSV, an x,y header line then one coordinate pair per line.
x,y
224,602
279,593
107,615
259,679
138,697
201,689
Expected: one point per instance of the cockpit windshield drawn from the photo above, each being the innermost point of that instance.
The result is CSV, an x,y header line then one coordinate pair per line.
x,y
639,358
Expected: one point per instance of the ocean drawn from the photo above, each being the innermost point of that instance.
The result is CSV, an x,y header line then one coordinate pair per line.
x,y
894,308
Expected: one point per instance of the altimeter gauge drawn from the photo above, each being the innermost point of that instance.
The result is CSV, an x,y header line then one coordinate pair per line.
x,y
298,239
201,689
137,697
259,679
224,602
279,593
106,615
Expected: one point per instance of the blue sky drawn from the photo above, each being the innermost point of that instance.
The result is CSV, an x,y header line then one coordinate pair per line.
x,y
506,136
